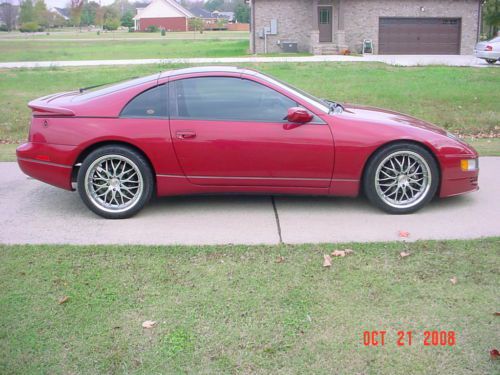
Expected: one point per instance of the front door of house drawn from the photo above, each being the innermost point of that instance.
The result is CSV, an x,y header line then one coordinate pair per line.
x,y
325,24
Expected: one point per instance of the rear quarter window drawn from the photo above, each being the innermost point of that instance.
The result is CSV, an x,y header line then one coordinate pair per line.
x,y
151,103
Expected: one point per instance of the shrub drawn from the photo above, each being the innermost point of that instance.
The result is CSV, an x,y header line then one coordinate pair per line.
x,y
4,28
163,32
152,29
30,27
111,24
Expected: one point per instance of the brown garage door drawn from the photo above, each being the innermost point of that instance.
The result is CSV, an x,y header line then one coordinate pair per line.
x,y
419,36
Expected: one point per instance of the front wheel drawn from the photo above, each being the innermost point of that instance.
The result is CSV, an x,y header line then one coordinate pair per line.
x,y
401,178
491,61
115,182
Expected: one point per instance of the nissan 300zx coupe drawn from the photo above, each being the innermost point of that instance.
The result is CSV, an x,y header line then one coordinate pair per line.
x,y
211,130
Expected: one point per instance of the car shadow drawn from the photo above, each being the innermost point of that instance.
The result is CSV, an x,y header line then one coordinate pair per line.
x,y
53,201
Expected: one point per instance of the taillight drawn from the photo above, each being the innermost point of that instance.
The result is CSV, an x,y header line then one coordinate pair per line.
x,y
489,48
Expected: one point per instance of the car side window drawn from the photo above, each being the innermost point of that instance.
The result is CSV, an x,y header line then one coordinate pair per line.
x,y
151,103
229,99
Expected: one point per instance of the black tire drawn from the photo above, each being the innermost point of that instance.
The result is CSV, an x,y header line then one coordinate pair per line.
x,y
138,181
491,61
405,182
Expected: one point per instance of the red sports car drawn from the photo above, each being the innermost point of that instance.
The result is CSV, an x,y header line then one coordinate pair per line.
x,y
227,129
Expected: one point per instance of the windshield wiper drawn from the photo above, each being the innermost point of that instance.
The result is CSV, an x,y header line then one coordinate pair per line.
x,y
82,89
334,106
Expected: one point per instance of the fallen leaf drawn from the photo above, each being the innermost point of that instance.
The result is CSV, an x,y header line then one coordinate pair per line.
x,y
148,324
494,354
348,251
496,313
338,253
404,234
404,254
280,259
454,280
327,262
63,300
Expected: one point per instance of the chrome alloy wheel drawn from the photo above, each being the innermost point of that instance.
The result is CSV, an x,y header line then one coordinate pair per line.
x,y
403,179
114,183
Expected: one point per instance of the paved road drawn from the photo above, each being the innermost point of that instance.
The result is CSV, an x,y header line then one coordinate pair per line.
x,y
32,212
400,60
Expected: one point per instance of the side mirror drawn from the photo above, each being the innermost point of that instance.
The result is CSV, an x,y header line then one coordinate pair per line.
x,y
299,115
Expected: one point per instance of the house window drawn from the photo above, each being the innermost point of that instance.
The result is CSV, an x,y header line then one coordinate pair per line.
x,y
324,16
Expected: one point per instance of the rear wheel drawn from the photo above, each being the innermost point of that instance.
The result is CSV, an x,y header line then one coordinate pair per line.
x,y
115,182
491,61
401,178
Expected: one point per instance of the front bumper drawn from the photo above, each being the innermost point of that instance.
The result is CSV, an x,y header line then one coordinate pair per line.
x,y
454,180
46,162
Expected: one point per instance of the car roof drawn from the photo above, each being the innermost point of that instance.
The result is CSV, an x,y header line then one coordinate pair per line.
x,y
205,69
116,87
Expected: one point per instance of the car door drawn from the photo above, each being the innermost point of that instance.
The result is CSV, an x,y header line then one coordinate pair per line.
x,y
231,131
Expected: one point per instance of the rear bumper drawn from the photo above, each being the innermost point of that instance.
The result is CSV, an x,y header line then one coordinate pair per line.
x,y
47,163
493,55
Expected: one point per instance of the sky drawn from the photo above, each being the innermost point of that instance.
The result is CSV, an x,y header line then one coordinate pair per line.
x,y
58,3
64,3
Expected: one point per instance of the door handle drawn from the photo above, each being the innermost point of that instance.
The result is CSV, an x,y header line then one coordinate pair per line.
x,y
185,134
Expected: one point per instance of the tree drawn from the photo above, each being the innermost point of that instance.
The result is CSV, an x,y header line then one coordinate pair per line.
x,y
242,13
213,5
99,17
127,19
8,15
76,12
196,24
491,17
55,20
123,7
27,13
110,12
41,13
221,23
89,12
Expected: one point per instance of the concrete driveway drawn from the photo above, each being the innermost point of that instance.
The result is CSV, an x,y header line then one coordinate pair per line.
x,y
33,212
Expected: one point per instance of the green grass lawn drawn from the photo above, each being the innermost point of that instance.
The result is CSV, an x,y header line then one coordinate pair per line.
x,y
119,49
85,34
234,309
463,100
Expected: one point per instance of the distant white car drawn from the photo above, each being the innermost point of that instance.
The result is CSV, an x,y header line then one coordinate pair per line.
x,y
488,50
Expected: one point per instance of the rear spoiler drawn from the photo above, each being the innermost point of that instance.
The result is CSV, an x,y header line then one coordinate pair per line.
x,y
42,107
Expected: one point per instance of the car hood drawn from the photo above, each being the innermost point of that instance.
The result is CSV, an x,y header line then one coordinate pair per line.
x,y
387,117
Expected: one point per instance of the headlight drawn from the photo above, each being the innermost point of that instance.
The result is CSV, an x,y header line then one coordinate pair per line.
x,y
468,165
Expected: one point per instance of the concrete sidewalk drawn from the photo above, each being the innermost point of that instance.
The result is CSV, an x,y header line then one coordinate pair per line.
x,y
399,60
33,212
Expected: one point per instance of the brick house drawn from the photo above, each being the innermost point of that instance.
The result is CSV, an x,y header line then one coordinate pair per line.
x,y
164,14
211,20
394,26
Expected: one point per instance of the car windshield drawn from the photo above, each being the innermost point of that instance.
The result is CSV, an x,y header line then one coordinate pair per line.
x,y
311,99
